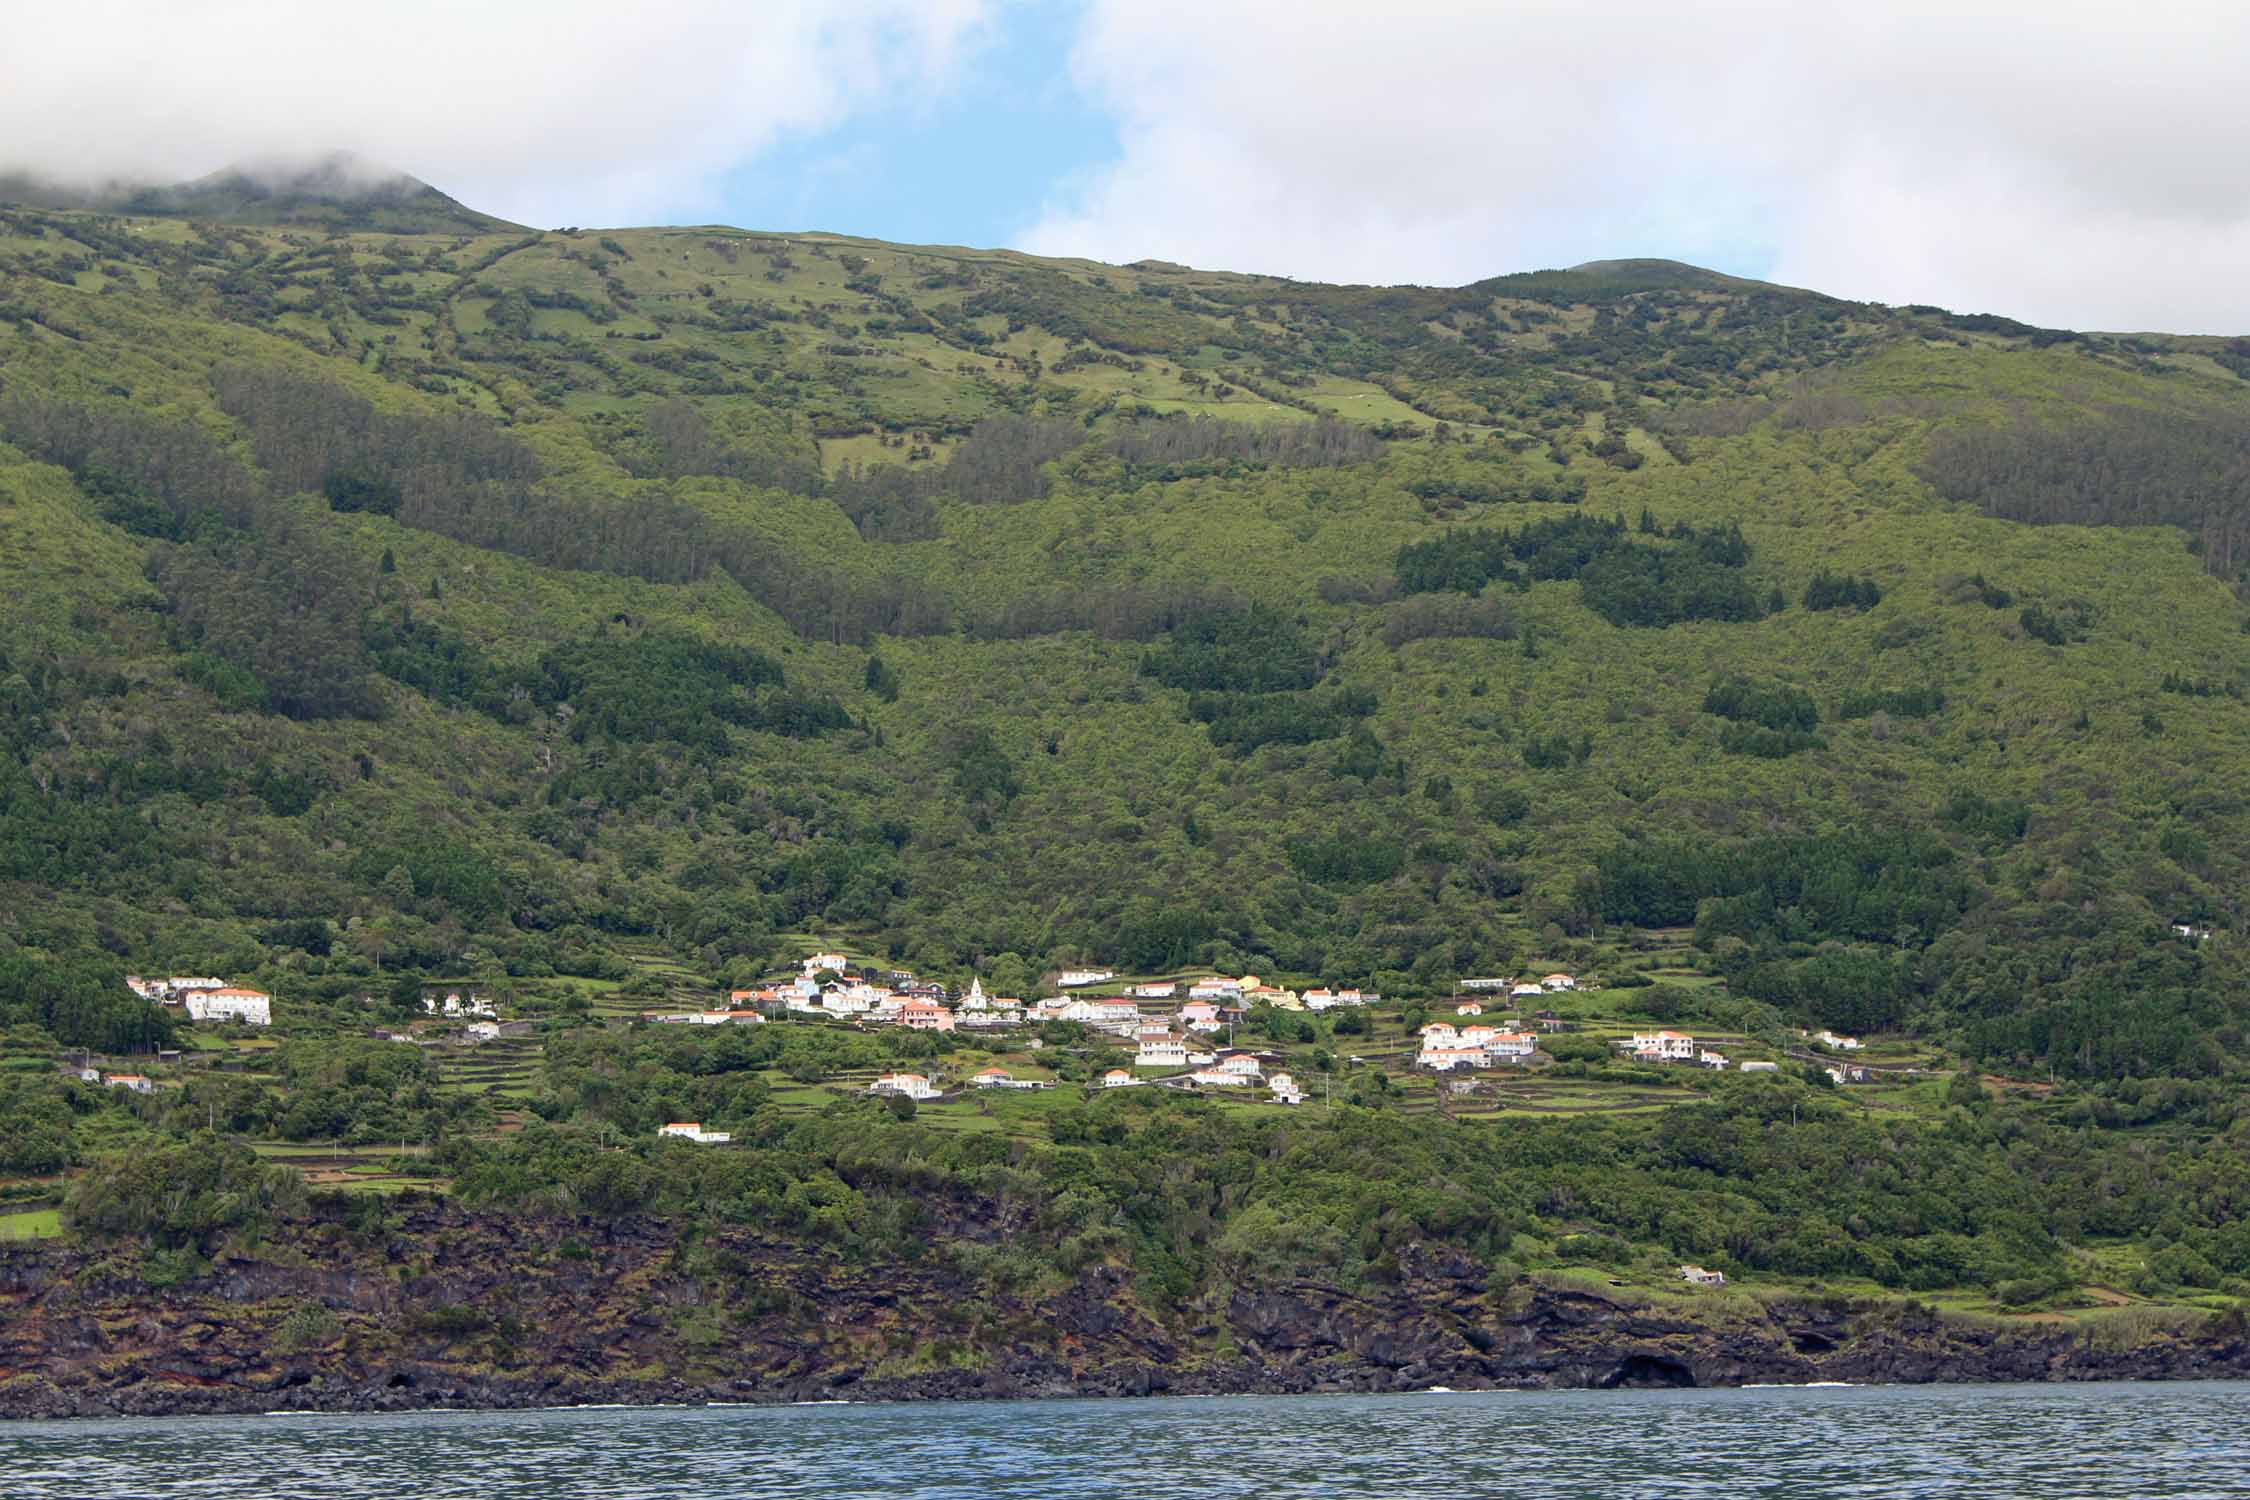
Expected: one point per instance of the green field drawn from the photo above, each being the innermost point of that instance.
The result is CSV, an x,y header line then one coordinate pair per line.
x,y
30,1224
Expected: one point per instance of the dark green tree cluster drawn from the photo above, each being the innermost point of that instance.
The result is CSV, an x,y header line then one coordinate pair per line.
x,y
1840,591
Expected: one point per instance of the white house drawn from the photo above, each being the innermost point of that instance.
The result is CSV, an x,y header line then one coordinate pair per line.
x,y
482,1031
839,1000
1117,1078
835,963
1218,1078
88,1075
2184,929
1759,1067
1484,984
133,1081
912,1085
1200,1057
230,1004
1164,991
1215,988
1117,1014
1840,1043
1558,982
1663,1046
976,999
1241,1064
1716,1061
1285,1089
692,1130
1440,1034
1446,1059
1527,992
1160,1049
1697,1276
1201,1015
147,989
1468,1008
177,986
1511,1046
1073,979
995,1015
991,1078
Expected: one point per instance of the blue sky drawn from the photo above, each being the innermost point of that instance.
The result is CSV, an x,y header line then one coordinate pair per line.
x,y
974,165
2070,162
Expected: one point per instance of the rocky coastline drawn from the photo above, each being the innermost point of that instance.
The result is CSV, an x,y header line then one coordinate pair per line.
x,y
438,1307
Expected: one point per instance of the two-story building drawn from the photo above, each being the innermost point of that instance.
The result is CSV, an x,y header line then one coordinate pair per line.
x,y
229,1003
1159,1049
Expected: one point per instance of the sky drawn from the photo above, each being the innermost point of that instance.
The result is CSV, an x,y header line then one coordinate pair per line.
x,y
2069,163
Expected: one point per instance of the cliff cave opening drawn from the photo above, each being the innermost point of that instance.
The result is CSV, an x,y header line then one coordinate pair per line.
x,y
1647,1371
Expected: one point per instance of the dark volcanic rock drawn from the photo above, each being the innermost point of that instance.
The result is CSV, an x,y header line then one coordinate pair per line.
x,y
445,1307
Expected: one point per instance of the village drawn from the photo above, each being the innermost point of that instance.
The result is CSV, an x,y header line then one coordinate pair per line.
x,y
1202,1034
1184,1033
1176,1033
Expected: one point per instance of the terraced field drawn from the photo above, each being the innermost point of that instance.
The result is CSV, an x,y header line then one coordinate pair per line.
x,y
504,1068
355,1169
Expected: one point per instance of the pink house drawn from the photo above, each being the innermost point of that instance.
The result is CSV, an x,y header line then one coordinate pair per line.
x,y
922,1015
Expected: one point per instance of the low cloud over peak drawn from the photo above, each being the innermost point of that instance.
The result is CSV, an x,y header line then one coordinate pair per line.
x,y
550,112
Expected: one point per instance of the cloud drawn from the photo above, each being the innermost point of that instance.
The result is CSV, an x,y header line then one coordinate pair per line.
x,y
548,111
2061,161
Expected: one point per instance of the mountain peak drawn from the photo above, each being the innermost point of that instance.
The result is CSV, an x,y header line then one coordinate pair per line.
x,y
340,175
337,189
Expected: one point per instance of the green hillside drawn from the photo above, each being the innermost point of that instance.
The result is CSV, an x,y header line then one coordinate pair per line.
x,y
595,616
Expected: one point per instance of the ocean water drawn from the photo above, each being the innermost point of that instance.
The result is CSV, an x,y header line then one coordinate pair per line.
x,y
2173,1441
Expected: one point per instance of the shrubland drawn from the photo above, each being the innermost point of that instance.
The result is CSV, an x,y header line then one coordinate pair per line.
x,y
535,609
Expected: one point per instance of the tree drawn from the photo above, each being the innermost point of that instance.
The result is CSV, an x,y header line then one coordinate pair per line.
x,y
1010,975
880,680
406,995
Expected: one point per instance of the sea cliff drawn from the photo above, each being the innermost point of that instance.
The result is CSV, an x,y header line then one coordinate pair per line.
x,y
429,1305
